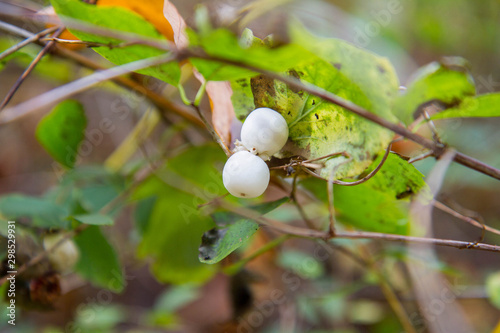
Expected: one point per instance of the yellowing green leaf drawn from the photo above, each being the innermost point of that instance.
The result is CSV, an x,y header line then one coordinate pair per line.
x,y
318,128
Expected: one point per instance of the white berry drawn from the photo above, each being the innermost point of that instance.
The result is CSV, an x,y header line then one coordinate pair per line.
x,y
245,175
65,256
264,132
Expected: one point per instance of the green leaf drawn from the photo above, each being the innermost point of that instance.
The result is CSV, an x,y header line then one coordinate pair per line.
x,y
104,317
222,43
44,214
94,219
172,234
121,19
318,128
447,82
487,105
380,204
142,214
98,260
218,243
62,130
175,298
302,264
493,288
95,196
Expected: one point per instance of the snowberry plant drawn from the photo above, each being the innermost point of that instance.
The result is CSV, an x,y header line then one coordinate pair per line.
x,y
263,134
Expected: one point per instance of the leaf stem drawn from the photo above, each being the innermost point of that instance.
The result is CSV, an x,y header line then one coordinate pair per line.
x,y
200,93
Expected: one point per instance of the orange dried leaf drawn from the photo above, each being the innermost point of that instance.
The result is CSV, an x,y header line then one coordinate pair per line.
x,y
151,10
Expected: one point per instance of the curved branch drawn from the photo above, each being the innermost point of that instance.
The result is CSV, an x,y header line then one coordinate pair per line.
x,y
362,180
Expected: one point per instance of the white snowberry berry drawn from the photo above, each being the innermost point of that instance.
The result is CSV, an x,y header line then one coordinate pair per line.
x,y
245,175
65,256
264,132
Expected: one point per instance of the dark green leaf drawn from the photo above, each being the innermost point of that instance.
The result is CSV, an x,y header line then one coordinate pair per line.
x,y
121,19
380,204
44,214
175,226
173,235
98,260
217,243
487,105
96,196
95,219
447,82
62,130
142,214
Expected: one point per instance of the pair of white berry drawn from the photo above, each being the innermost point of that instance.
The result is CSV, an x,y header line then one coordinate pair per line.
x,y
263,134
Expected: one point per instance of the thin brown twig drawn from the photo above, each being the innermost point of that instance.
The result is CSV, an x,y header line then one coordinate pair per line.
x,y
30,68
88,44
27,41
470,220
161,102
420,157
293,196
331,207
15,30
315,234
432,126
157,43
362,180
129,83
389,293
299,162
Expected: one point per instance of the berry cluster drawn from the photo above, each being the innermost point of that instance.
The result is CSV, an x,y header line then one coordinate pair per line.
x,y
263,134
